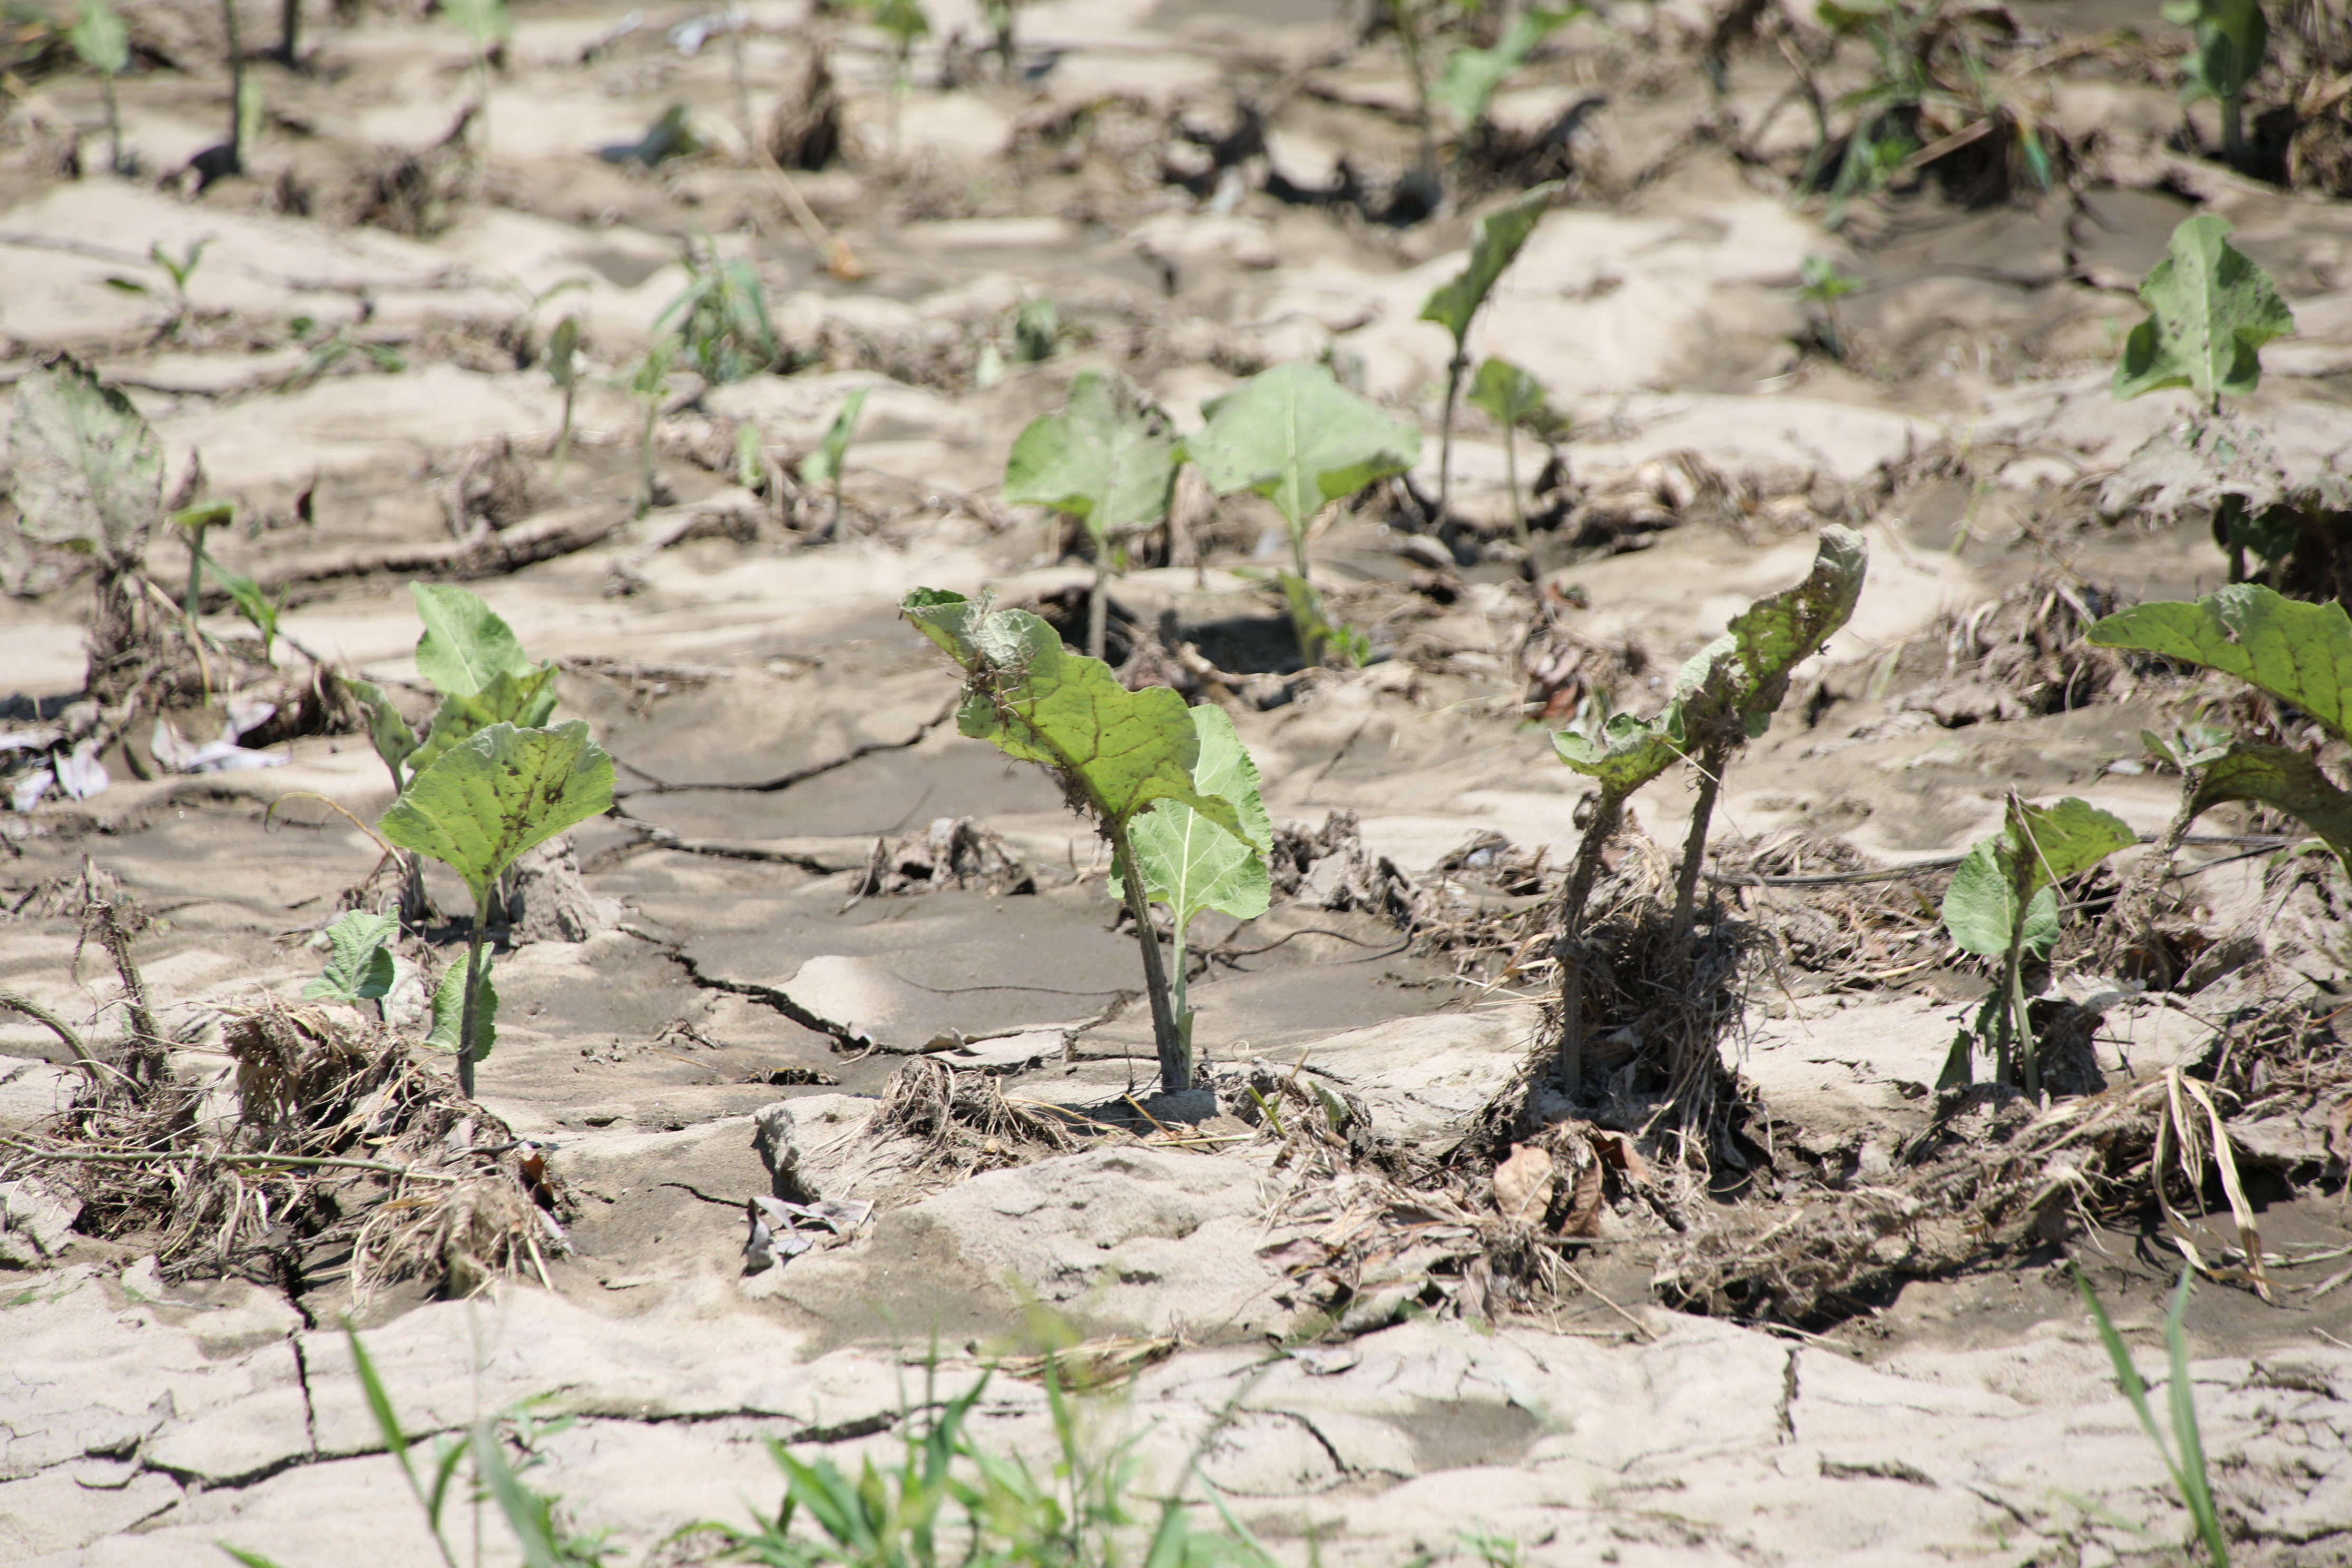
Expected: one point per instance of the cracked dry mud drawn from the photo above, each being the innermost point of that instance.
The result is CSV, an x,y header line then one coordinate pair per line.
x,y
773,719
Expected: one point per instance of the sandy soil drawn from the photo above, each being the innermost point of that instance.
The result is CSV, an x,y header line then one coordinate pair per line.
x,y
714,647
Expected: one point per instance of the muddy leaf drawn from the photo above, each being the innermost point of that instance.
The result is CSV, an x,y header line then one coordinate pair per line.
x,y
2299,653
1299,438
1032,699
1628,752
1470,76
88,471
1108,460
1583,1216
450,1010
483,803
2211,310
1523,1184
526,702
465,645
2019,868
1501,235
360,965
2286,779
1746,670
822,466
1980,907
1189,864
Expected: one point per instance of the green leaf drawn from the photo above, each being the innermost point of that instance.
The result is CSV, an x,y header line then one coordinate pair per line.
x,y
1745,671
526,702
2299,653
250,1559
252,601
481,804
903,20
100,38
1034,700
526,1516
1628,752
1512,397
394,742
484,21
563,352
465,645
1191,865
449,1009
2285,780
2052,842
1470,76
1037,331
1500,235
1980,907
360,965
1108,459
823,464
1296,436
88,471
2232,37
2212,309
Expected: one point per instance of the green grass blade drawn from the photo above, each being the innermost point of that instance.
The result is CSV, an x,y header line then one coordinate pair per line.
x,y
2196,1488
250,1559
2127,1376
523,1515
379,1404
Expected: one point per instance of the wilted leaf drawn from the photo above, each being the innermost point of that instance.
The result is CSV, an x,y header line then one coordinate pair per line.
x,y
1189,864
824,466
1628,753
465,645
360,965
1746,670
486,801
88,471
2288,781
1032,699
1500,237
1523,1184
450,1010
2212,309
2299,653
1299,438
1108,459
394,742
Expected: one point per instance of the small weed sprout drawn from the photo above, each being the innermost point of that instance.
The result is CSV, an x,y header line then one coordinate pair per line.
x,y
649,384
360,965
104,45
1116,752
1823,284
1455,305
1296,436
194,522
2232,37
487,25
905,24
2188,1469
825,465
2003,902
1109,460
1514,399
179,269
721,317
1467,84
562,361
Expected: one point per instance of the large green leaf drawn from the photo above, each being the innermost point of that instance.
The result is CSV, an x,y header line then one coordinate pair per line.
x,y
1032,699
1189,863
1628,752
1108,459
1500,235
360,965
465,645
1745,671
88,471
449,1009
2288,781
1296,436
526,702
100,38
1980,907
2212,309
1470,76
2299,653
483,803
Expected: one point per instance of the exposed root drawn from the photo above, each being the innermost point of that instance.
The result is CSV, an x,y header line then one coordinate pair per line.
x,y
963,1124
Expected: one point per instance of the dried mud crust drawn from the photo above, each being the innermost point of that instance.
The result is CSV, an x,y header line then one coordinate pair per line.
x,y
815,894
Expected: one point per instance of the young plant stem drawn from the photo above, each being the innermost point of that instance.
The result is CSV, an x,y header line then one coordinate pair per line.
x,y
469,1016
832,523
563,434
194,603
1710,766
1175,1057
1099,613
1445,435
1408,27
1568,946
235,89
290,31
646,459
2014,1036
113,126
1511,478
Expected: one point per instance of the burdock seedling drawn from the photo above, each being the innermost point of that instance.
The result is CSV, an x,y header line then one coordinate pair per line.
x,y
824,466
563,369
1512,398
1117,753
104,45
1455,305
650,386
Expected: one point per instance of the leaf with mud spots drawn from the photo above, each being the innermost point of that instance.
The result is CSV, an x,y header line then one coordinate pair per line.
x,y
1746,670
1299,438
358,964
486,801
2212,309
88,471
2299,653
1108,460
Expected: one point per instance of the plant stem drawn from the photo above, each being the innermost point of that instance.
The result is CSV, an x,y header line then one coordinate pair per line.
x,y
195,600
2017,1043
113,127
289,31
646,459
468,1020
564,436
235,89
1175,1057
1511,478
1710,781
1445,435
1409,33
1568,946
1097,612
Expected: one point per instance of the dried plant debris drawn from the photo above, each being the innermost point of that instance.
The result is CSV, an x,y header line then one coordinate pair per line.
x,y
1329,867
952,852
962,1123
1859,926
2019,656
328,1151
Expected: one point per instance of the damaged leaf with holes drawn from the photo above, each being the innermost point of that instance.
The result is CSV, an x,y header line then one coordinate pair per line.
x,y
360,963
